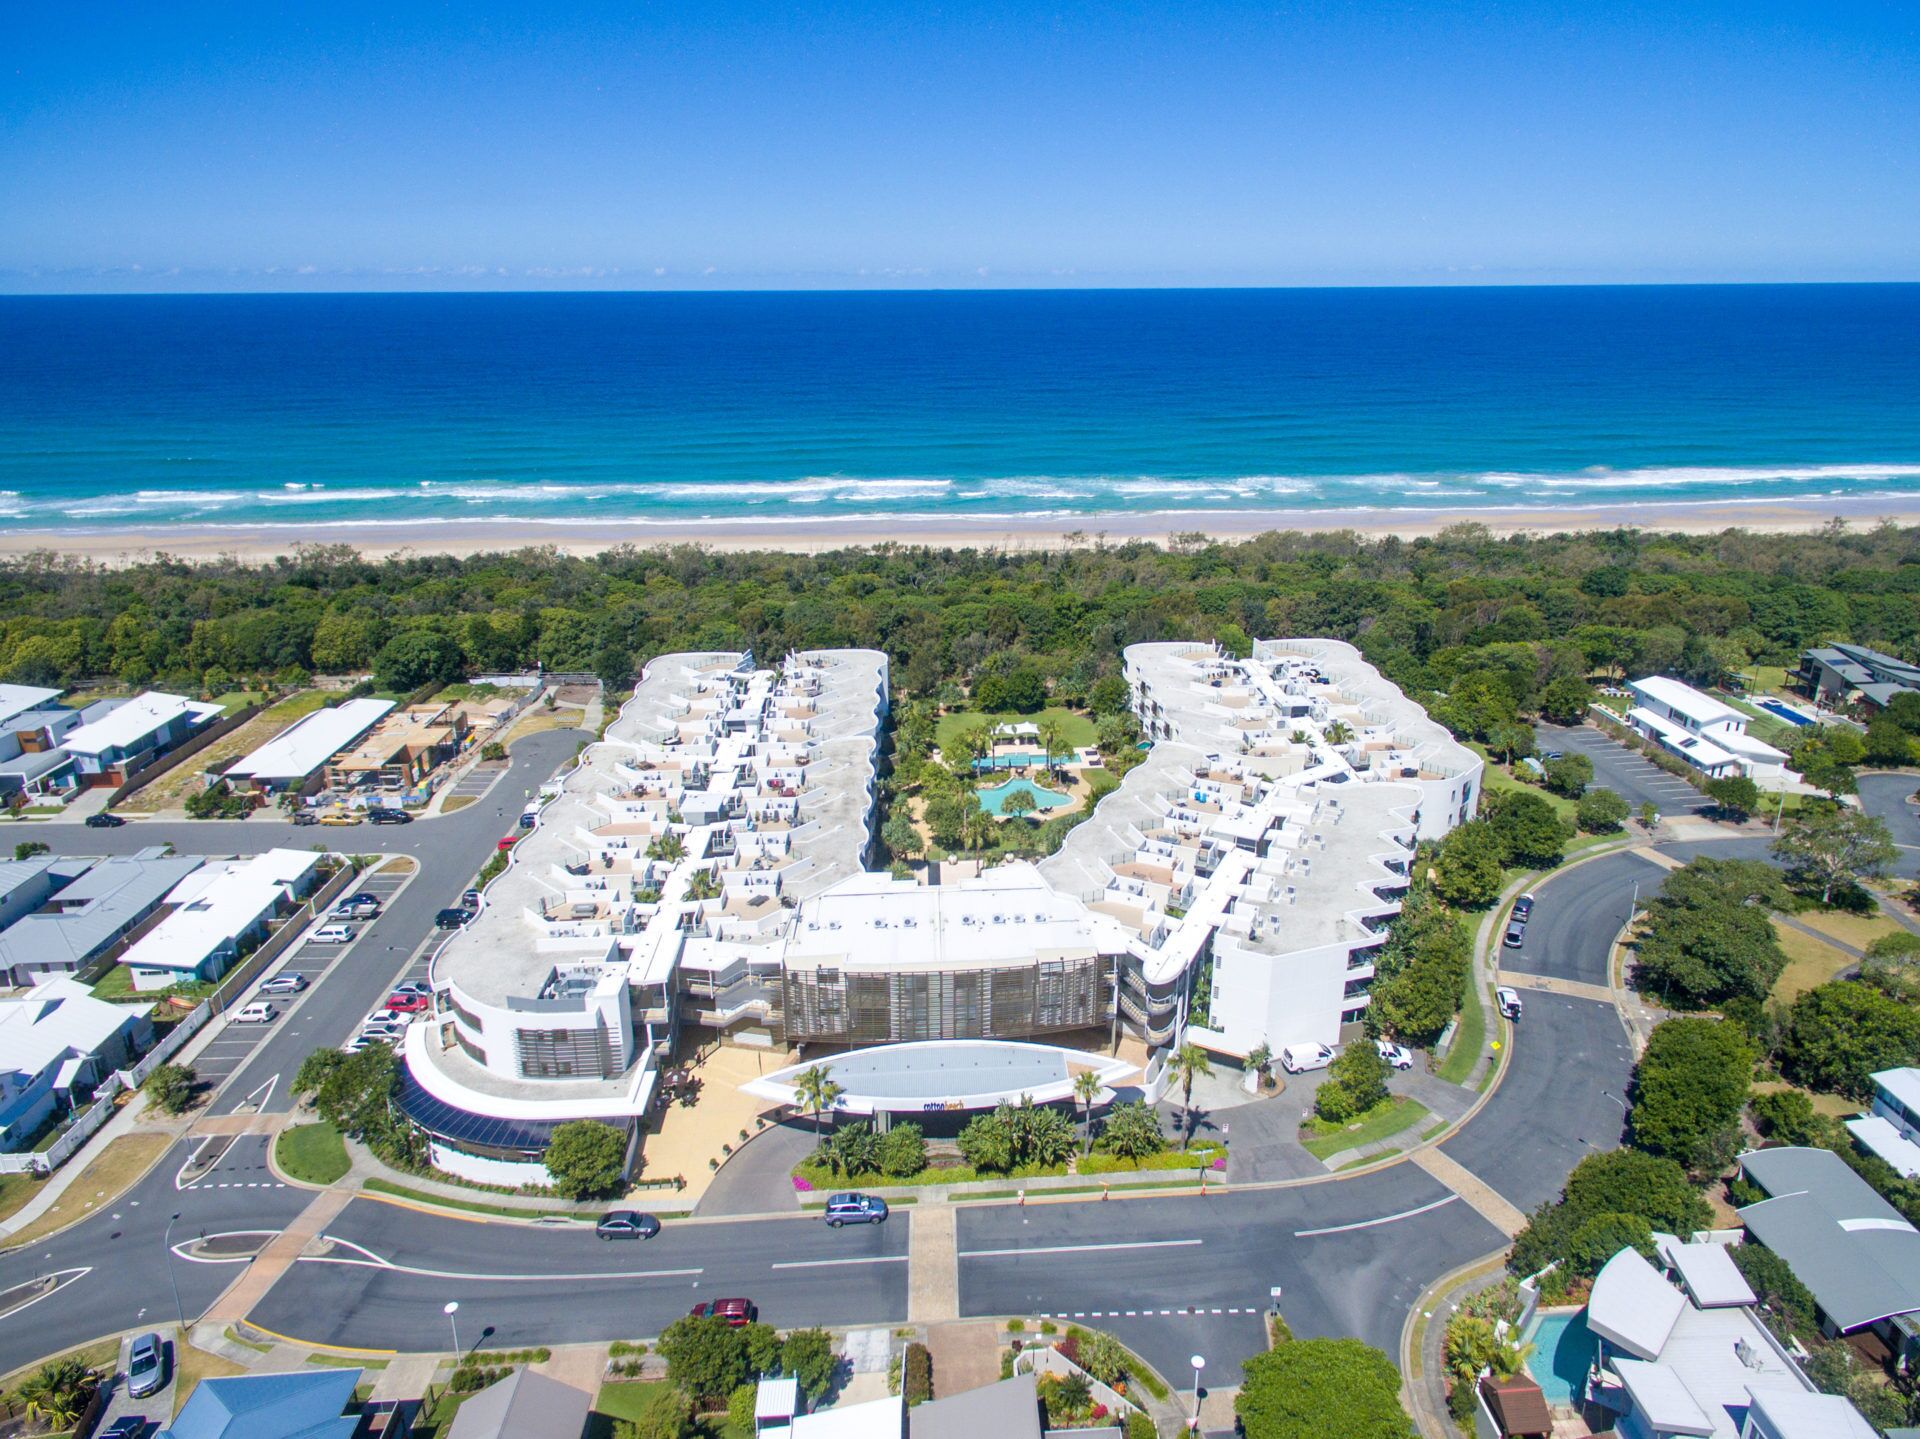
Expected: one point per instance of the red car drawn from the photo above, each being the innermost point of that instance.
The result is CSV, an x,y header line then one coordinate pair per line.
x,y
410,1003
506,842
738,1313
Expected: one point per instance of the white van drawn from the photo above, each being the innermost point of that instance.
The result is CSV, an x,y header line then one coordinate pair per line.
x,y
254,1014
1299,1058
333,934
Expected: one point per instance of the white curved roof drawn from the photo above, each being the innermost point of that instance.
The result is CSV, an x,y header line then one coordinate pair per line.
x,y
946,1074
1632,1306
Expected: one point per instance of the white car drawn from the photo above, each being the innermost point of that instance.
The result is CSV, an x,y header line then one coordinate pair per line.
x,y
1509,1002
397,1017
1299,1058
414,986
333,934
1397,1056
258,1013
379,1029
358,1043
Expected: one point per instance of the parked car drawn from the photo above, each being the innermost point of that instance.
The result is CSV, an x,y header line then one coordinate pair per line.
x,y
1516,934
340,817
1509,1002
470,899
1550,755
414,986
506,842
146,1366
389,1034
1299,1058
258,1012
360,1042
284,984
389,816
627,1224
452,918
363,901
103,820
855,1209
1397,1056
529,818
332,934
128,1426
399,1019
738,1313
398,1003
1523,908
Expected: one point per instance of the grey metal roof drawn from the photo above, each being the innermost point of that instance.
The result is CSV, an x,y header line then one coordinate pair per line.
x,y
1007,1410
93,910
1851,1248
524,1405
31,764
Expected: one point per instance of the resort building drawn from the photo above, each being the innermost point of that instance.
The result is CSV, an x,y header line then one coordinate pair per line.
x,y
90,918
58,1039
1891,1132
1846,677
1685,1352
1707,734
294,758
216,912
1854,1251
704,869
132,734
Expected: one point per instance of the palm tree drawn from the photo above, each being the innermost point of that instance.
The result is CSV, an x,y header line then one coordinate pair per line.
x,y
1338,733
58,1392
1052,743
1258,1058
1086,1088
816,1091
705,884
1189,1062
977,830
975,744
669,847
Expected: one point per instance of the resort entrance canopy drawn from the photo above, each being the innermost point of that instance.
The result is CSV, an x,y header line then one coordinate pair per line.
x,y
947,1074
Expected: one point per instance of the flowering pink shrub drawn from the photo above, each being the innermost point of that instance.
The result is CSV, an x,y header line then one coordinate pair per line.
x,y
802,1185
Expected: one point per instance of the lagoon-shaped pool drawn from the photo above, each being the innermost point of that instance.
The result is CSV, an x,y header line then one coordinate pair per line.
x,y
994,800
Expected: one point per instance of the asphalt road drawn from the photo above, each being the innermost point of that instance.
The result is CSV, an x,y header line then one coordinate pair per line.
x,y
1590,899
1615,767
1350,1255
1885,797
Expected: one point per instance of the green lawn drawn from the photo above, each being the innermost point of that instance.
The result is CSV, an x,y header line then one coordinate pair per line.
x,y
1387,1118
1468,1039
116,983
625,1399
1075,729
312,1153
419,1196
1497,778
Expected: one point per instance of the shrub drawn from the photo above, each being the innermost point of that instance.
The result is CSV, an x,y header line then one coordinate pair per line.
x,y
587,1159
1600,811
916,1375
1355,1082
169,1088
903,1152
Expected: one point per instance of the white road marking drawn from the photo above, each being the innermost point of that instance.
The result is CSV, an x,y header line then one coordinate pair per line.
x,y
1374,1223
375,1261
61,1279
1080,1248
836,1263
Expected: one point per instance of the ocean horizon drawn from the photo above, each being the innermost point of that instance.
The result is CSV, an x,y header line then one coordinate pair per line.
x,y
334,412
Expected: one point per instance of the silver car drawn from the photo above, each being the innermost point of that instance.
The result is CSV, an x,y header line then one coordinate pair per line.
x,y
146,1366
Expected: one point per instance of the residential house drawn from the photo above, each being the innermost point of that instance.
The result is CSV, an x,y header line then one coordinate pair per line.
x,y
1694,1358
1842,676
306,1404
295,758
1707,734
133,734
1009,1409
83,922
58,1039
16,700
524,1405
402,750
1891,1132
218,911
26,884
32,759
1854,1251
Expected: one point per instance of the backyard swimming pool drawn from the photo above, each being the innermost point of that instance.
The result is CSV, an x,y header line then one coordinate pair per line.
x,y
994,800
1563,1350
1791,716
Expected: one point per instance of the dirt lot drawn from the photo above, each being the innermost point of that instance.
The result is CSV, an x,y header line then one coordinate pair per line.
x,y
170,791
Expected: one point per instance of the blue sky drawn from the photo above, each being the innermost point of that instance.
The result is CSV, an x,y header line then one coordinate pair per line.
x,y
192,146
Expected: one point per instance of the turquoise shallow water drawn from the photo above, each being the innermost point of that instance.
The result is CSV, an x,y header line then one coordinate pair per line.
x,y
994,800
327,412
1563,1353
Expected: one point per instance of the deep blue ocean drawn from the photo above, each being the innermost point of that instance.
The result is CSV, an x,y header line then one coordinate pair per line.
x,y
334,411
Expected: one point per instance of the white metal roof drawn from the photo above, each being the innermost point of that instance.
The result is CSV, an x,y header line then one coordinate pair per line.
x,y
1632,1306
57,1019
1659,1394
128,724
1809,1416
1685,699
1708,1272
1900,1084
310,741
776,1399
18,699
1702,751
876,1419
231,901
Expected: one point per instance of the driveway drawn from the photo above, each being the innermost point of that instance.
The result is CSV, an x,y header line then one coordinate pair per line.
x,y
1629,775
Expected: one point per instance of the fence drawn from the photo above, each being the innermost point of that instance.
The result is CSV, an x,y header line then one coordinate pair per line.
x,y
197,1018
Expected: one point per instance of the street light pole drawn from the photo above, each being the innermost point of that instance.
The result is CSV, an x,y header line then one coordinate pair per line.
x,y
453,1308
178,1309
1199,1363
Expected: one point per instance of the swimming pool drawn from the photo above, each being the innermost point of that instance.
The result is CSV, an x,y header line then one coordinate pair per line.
x,y
1563,1350
1013,761
1774,707
994,800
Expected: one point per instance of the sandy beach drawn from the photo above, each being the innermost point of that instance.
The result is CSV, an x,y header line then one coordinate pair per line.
x,y
375,539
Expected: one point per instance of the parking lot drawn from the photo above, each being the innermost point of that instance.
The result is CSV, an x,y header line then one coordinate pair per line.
x,y
478,780
235,1044
1615,767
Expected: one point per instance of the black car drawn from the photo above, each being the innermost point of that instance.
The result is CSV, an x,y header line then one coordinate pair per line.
x,y
627,1224
1523,908
452,918
130,1426
103,820
389,816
